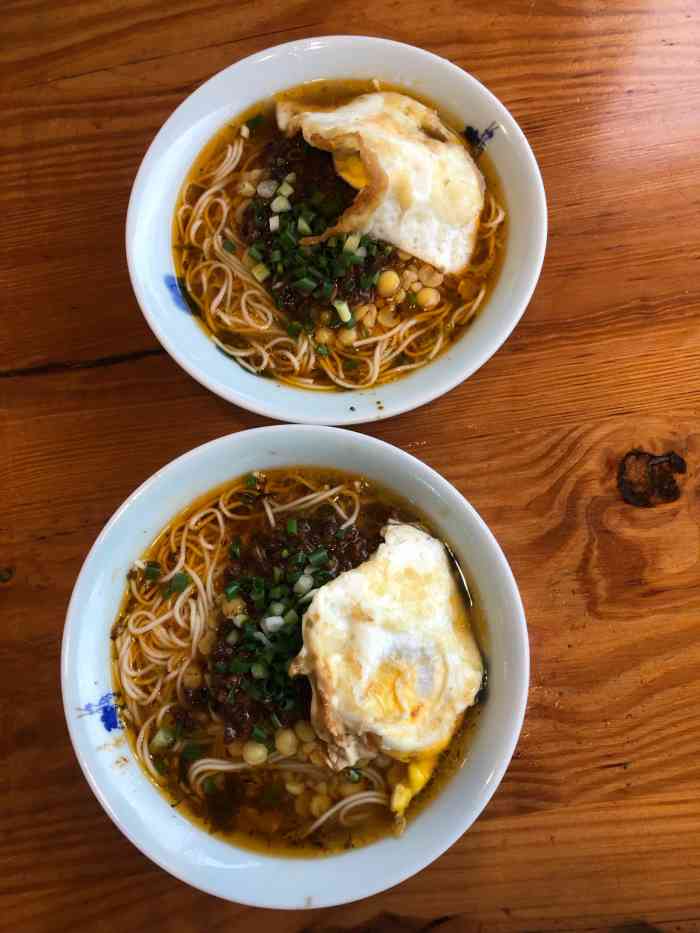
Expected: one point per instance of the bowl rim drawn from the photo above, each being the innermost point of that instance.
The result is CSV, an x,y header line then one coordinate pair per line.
x,y
433,847
282,410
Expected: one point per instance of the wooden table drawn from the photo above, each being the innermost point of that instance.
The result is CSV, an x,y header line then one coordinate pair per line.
x,y
597,822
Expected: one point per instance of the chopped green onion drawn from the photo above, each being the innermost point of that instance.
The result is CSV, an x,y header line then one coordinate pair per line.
x,y
343,310
232,637
274,223
251,481
240,620
162,740
261,271
235,549
255,121
285,190
291,177
277,574
303,227
278,592
361,252
280,204
327,289
177,584
276,721
276,608
259,734
254,253
303,584
292,526
321,350
229,246
220,667
160,765
319,557
191,752
294,329
305,284
288,239
152,570
351,243
291,617
259,670
411,298
275,255
239,666
353,775
233,589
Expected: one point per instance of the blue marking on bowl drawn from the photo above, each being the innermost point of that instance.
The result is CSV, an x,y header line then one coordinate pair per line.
x,y
478,139
107,709
173,286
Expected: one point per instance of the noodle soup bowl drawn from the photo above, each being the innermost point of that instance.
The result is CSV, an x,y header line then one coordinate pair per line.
x,y
144,814
228,94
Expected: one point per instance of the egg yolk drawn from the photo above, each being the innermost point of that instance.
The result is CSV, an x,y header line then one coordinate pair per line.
x,y
350,167
416,776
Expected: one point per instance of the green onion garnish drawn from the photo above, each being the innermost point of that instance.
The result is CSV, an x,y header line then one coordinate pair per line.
x,y
303,227
176,584
259,670
305,284
235,549
291,617
239,666
259,734
251,481
229,246
233,589
344,312
319,557
261,271
256,121
152,570
292,526
163,739
255,253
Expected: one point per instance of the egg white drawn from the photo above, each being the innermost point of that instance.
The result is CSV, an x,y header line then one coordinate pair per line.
x,y
389,652
421,190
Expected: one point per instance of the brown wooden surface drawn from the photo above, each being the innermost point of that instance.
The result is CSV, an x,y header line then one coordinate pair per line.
x,y
597,823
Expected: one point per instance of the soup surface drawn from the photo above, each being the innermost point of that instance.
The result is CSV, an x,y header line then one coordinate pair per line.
x,y
286,299
211,620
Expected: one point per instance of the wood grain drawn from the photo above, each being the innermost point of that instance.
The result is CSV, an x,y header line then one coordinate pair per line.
x,y
596,824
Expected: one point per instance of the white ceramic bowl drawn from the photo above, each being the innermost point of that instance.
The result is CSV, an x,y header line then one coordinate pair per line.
x,y
162,172
134,804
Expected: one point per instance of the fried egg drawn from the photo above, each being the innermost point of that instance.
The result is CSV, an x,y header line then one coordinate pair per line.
x,y
391,658
419,189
